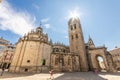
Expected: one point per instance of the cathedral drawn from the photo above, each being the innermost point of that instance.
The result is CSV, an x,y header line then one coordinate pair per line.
x,y
36,53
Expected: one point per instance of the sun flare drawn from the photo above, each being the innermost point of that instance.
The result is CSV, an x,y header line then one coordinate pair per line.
x,y
74,14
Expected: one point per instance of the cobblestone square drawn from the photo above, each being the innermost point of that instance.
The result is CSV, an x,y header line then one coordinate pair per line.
x,y
62,76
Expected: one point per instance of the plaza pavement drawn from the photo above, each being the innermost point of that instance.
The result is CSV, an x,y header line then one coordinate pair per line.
x,y
61,76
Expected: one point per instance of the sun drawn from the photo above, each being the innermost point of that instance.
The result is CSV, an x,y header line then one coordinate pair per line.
x,y
74,14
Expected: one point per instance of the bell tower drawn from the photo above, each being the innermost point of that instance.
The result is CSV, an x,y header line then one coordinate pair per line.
x,y
91,43
76,40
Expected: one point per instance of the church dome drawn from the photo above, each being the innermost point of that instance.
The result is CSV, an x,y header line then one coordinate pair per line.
x,y
38,28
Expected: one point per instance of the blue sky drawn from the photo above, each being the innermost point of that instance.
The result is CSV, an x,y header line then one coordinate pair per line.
x,y
99,18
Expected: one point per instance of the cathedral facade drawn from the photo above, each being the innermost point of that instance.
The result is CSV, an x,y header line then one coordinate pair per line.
x,y
36,53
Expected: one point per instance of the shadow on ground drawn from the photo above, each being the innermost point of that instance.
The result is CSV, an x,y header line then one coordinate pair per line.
x,y
110,73
13,75
63,76
7,74
80,76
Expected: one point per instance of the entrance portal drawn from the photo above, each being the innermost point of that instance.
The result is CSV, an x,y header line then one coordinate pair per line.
x,y
101,63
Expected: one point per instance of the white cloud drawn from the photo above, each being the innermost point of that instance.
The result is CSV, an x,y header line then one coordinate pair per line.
x,y
18,22
45,23
45,20
47,26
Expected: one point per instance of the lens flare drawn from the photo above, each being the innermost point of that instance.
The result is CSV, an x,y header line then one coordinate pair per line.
x,y
74,14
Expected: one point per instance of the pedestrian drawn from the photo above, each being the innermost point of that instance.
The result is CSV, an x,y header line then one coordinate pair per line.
x,y
2,71
51,74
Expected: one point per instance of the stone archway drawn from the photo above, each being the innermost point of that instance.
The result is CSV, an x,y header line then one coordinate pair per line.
x,y
100,63
94,63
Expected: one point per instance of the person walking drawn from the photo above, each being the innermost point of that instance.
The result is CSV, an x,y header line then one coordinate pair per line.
x,y
51,74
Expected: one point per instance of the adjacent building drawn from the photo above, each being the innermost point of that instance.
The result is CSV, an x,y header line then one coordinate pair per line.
x,y
116,57
6,53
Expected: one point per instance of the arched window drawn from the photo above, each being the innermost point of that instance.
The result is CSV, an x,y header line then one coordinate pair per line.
x,y
71,27
53,49
57,50
56,61
64,50
74,26
76,35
